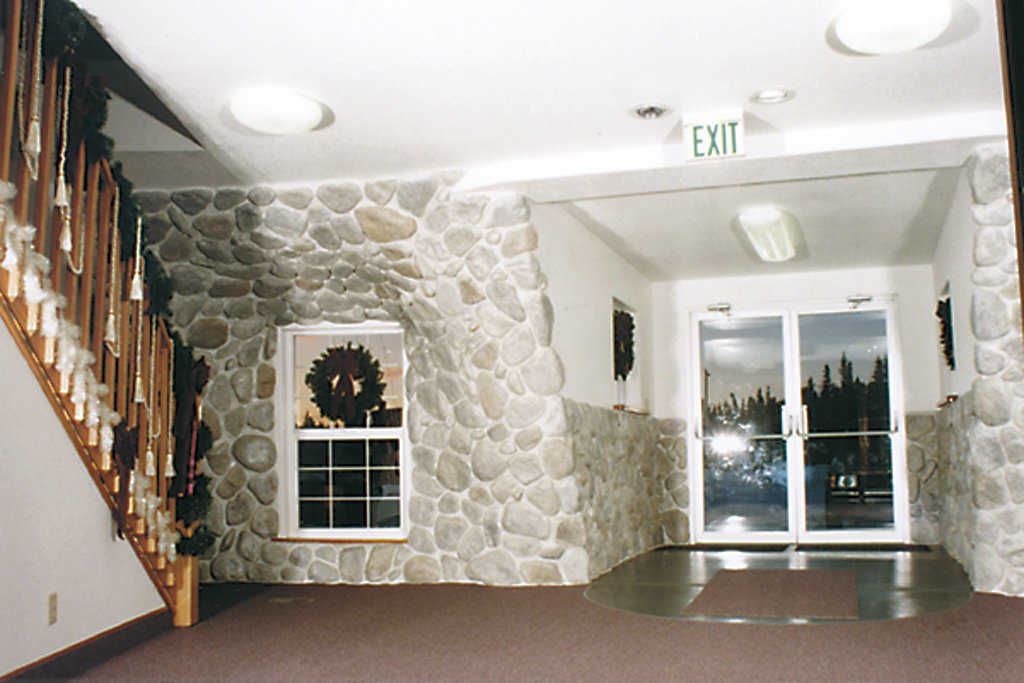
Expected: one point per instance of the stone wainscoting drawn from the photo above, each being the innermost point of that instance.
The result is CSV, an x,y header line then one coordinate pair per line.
x,y
631,474
924,478
493,494
982,518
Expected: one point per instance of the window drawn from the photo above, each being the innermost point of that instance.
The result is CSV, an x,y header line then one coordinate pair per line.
x,y
344,441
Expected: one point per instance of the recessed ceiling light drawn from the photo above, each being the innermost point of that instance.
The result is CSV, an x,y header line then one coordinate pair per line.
x,y
276,110
879,27
772,96
650,112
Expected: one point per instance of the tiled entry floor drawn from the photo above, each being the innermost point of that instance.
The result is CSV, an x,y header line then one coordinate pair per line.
x,y
891,584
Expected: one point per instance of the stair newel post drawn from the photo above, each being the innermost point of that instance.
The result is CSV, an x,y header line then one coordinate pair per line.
x,y
186,590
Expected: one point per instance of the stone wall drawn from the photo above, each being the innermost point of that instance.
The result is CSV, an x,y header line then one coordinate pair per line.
x,y
631,474
492,477
924,478
983,511
981,436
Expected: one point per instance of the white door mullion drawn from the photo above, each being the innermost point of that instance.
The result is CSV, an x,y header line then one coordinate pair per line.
x,y
794,444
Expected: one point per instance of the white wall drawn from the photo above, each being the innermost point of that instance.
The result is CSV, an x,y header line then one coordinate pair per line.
x,y
584,275
673,302
56,533
953,263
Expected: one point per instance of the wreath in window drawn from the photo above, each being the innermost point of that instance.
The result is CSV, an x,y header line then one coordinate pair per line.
x,y
346,384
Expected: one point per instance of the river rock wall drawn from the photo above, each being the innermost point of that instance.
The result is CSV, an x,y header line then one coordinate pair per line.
x,y
492,470
981,435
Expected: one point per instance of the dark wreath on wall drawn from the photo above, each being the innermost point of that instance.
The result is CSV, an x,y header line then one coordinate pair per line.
x,y
333,378
622,327
944,312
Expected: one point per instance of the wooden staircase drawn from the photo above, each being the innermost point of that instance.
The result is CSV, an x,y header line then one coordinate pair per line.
x,y
65,296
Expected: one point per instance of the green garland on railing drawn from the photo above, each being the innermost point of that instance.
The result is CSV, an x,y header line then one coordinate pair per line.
x,y
191,507
198,543
63,28
88,116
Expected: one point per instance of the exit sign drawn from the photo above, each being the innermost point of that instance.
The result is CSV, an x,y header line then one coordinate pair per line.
x,y
713,136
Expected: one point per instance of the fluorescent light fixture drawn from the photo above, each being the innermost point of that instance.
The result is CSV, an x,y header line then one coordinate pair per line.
x,y
276,110
881,27
772,96
770,231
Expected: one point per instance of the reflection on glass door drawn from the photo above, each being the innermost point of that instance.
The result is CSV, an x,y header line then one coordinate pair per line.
x,y
796,431
744,450
847,422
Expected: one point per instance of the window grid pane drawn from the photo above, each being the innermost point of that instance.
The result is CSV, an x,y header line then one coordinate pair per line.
x,y
349,483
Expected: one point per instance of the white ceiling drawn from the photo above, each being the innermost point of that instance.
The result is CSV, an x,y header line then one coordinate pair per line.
x,y
535,96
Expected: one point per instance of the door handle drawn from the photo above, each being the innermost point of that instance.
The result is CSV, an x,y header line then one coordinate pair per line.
x,y
804,422
787,421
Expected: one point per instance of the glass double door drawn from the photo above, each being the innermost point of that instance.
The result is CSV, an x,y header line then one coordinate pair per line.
x,y
797,434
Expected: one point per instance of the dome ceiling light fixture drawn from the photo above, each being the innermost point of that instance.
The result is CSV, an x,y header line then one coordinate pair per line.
x,y
771,232
277,110
882,27
772,96
649,112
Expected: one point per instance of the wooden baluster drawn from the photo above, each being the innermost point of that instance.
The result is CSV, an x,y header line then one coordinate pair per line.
x,y
64,280
76,307
71,282
46,244
146,414
169,576
9,86
110,372
24,175
22,181
40,216
128,362
122,363
142,422
109,360
96,273
93,219
160,446
168,436
119,387
8,102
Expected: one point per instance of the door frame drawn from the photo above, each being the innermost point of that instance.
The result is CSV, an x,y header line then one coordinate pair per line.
x,y
797,532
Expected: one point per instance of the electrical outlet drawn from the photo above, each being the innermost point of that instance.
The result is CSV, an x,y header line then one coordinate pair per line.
x,y
51,609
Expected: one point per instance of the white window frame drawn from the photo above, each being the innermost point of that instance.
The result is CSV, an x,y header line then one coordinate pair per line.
x,y
288,437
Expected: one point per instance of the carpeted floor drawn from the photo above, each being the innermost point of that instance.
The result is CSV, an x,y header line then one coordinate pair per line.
x,y
460,632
